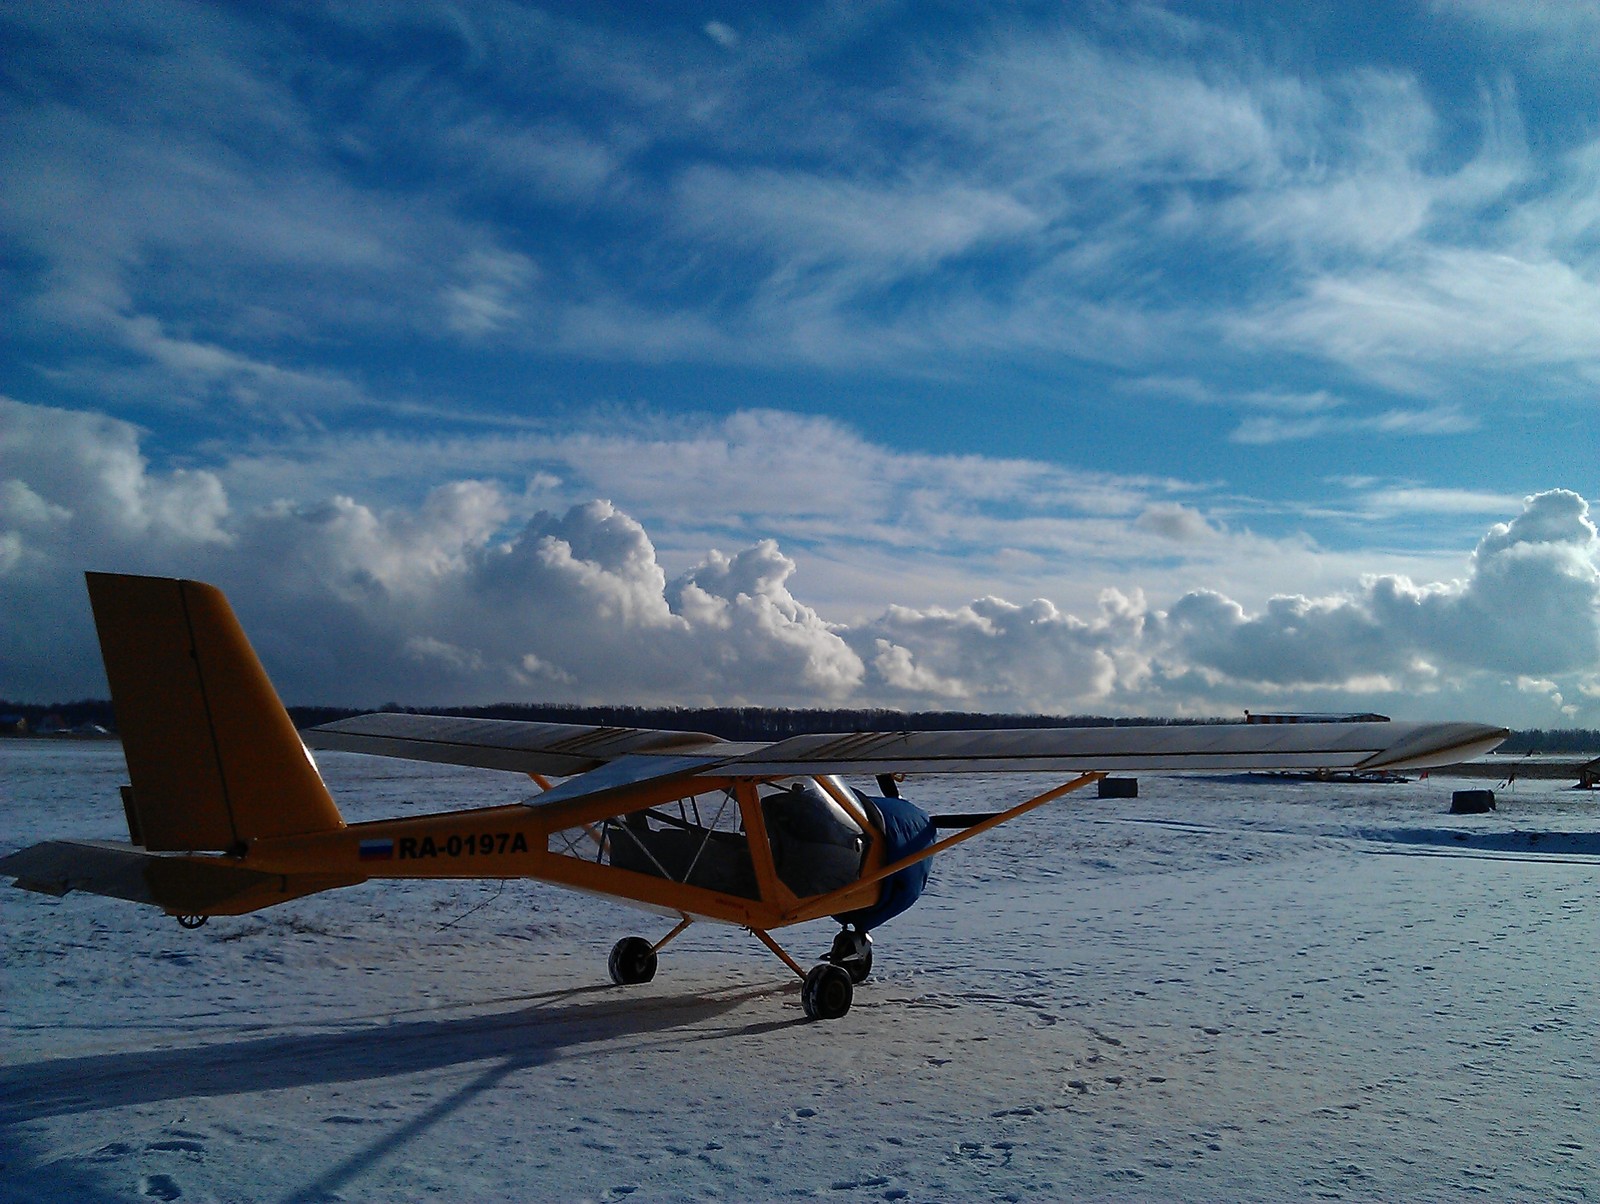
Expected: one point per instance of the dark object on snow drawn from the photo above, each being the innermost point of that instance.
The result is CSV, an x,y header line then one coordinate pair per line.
x,y
1471,802
1119,787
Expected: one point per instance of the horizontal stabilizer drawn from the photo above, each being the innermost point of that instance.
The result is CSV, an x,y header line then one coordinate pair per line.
x,y
182,885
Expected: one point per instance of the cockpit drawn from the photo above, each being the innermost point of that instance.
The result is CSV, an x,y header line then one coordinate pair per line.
x,y
817,845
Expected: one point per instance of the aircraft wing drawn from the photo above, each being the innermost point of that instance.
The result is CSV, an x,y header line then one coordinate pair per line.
x,y
561,749
1235,747
633,756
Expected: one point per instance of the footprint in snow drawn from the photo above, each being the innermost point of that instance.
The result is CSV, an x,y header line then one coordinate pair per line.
x,y
178,1146
160,1187
858,1184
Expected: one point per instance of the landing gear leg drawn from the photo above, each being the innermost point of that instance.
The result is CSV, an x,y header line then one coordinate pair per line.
x,y
826,991
852,951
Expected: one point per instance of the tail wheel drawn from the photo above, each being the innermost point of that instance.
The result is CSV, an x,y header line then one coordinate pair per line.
x,y
633,959
853,952
827,992
192,921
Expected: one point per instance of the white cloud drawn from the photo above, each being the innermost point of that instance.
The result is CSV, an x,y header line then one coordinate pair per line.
x,y
453,599
1421,499
585,190
803,219
744,603
723,35
484,299
1530,606
1061,106
1443,309
1179,523
1274,428
80,481
1000,655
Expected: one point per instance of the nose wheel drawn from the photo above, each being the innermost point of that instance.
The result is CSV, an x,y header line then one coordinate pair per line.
x,y
827,992
830,986
852,952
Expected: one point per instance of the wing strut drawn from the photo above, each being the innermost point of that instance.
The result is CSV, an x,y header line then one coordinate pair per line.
x,y
824,904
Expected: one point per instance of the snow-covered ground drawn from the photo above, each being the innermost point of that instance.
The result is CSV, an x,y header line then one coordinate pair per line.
x,y
1225,989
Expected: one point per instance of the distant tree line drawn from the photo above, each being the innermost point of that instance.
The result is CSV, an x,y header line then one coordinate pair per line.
x,y
22,717
735,723
1551,740
747,723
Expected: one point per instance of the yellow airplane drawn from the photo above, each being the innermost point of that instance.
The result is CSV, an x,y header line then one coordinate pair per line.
x,y
228,814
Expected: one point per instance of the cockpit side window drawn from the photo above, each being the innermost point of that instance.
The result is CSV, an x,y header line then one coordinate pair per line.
x,y
698,846
816,846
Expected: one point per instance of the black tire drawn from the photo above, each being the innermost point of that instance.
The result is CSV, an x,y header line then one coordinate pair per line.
x,y
853,951
827,993
633,959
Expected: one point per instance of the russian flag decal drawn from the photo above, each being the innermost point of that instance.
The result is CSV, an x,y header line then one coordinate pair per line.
x,y
377,850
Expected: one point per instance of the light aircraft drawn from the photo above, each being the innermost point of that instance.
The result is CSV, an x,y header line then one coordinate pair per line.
x,y
228,814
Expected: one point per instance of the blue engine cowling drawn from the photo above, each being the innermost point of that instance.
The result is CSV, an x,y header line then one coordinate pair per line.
x,y
906,829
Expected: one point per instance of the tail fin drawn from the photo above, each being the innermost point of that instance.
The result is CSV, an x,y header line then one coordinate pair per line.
x,y
214,758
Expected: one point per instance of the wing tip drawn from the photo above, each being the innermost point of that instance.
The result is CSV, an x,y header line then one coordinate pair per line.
x,y
1436,745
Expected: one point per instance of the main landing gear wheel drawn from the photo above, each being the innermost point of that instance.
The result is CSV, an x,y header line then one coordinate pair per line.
x,y
827,992
192,921
633,959
853,952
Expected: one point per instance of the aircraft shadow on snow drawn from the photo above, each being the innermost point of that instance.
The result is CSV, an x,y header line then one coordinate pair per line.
x,y
522,1039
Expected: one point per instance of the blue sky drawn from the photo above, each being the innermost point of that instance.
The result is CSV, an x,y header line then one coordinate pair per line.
x,y
1113,358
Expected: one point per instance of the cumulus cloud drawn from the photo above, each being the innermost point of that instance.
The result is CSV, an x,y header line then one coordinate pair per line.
x,y
455,599
1182,524
69,479
746,598
994,654
1530,605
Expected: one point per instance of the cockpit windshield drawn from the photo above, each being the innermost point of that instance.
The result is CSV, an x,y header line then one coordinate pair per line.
x,y
817,846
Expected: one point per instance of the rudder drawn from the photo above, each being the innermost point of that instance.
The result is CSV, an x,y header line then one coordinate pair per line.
x,y
214,758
